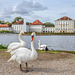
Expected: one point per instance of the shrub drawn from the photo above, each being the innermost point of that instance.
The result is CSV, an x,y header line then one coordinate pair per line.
x,y
3,47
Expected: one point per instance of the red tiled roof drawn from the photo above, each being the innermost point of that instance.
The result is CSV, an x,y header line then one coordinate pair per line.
x,y
65,18
4,25
37,22
18,22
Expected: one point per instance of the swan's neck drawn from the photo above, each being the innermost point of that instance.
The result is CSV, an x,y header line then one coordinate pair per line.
x,y
34,54
32,46
39,44
20,38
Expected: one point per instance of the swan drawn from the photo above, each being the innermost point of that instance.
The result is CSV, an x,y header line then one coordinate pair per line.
x,y
25,55
15,45
41,47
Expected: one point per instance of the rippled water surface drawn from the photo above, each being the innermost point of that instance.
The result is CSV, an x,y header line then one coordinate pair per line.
x,y
56,42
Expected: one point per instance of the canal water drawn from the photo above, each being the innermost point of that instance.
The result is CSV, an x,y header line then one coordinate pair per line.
x,y
54,42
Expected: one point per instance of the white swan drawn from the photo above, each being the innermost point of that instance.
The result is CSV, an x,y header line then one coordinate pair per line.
x,y
15,45
24,54
41,47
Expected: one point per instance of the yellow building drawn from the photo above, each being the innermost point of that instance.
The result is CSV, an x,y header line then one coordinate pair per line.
x,y
65,25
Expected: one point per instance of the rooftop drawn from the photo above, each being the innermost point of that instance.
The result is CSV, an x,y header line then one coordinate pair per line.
x,y
64,18
18,22
36,22
4,25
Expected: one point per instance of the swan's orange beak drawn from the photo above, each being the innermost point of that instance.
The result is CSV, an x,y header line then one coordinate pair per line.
x,y
32,38
24,33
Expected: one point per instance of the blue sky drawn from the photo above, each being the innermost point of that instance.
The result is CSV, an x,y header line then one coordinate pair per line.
x,y
44,10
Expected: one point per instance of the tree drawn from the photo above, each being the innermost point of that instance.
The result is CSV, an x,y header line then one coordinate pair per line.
x,y
48,24
2,22
27,23
9,24
17,19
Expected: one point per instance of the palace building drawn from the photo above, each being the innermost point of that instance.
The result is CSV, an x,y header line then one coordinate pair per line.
x,y
17,26
62,25
65,25
36,26
5,27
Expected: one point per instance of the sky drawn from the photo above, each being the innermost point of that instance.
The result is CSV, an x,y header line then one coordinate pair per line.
x,y
31,10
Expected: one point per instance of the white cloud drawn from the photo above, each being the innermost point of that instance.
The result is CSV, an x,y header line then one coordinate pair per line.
x,y
24,8
63,13
73,5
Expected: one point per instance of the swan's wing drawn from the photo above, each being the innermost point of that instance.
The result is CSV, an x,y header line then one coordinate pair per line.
x,y
13,58
43,45
13,46
23,44
19,50
21,54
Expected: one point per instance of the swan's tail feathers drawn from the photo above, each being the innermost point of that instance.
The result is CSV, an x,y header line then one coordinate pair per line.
x,y
12,52
12,49
8,50
13,58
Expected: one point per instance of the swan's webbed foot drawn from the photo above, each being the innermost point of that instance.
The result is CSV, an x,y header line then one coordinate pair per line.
x,y
27,70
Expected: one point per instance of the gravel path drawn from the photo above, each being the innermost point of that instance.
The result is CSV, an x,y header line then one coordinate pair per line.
x,y
46,64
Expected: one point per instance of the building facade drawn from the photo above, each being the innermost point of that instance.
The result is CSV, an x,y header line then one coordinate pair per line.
x,y
17,26
62,25
49,29
36,26
65,25
5,27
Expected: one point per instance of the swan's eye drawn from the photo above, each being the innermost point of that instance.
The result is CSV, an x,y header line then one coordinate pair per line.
x,y
32,35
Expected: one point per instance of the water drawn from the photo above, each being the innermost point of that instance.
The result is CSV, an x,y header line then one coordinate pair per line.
x,y
55,42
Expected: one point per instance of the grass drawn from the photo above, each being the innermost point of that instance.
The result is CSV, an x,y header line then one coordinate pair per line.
x,y
37,33
29,33
44,55
49,51
56,51
5,31
3,47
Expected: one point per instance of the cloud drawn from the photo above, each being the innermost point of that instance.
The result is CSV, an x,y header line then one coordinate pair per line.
x,y
73,5
63,13
24,8
5,16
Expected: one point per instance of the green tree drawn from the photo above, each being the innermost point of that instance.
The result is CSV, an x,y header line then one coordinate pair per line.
x,y
17,19
48,24
10,24
27,23
2,22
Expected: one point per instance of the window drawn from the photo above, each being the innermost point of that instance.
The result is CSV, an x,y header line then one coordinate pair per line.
x,y
63,25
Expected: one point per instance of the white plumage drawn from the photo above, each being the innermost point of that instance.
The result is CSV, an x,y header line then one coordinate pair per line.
x,y
41,47
15,45
24,54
